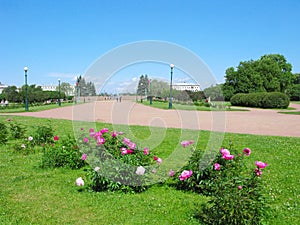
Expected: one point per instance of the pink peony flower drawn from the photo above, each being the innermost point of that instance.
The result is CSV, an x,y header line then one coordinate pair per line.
x,y
240,187
217,166
224,151
114,134
186,143
55,138
91,130
83,157
104,130
185,174
228,157
123,151
140,170
30,138
159,160
146,151
260,164
120,133
247,151
131,145
100,141
258,172
85,140
171,173
155,158
79,182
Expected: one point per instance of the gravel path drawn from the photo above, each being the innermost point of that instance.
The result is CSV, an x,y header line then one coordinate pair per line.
x,y
255,121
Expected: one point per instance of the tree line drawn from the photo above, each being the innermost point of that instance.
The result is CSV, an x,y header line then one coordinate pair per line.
x,y
270,73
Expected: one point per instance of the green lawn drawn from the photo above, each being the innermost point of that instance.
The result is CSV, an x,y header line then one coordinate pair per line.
x,y
31,195
165,105
33,108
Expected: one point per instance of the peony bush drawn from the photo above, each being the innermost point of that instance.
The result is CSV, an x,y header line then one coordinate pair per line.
x,y
236,193
117,163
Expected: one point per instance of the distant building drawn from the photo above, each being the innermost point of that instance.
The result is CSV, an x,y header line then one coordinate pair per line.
x,y
53,87
2,86
186,87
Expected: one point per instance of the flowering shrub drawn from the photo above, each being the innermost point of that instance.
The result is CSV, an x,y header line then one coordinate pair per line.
x,y
62,153
43,135
236,196
3,133
16,129
117,162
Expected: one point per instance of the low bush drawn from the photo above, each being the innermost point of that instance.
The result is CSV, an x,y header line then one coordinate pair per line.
x,y
236,193
3,133
43,135
62,153
117,162
261,100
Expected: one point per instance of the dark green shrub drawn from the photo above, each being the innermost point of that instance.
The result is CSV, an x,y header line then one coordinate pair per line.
x,y
62,153
276,100
3,133
261,100
236,194
17,130
43,134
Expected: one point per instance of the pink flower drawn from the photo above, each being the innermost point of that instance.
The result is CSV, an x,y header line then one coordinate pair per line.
x,y
86,140
159,160
146,151
55,138
104,130
114,134
30,138
240,187
91,130
79,182
131,145
217,166
186,143
228,157
155,158
9,119
153,170
171,173
83,157
123,151
100,141
120,133
140,170
260,164
81,128
258,172
185,174
247,151
224,151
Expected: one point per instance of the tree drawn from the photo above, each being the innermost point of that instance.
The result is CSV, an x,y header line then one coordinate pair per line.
x,y
269,73
160,88
214,92
65,89
11,94
143,86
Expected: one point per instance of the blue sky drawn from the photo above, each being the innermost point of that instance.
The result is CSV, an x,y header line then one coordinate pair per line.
x,y
60,39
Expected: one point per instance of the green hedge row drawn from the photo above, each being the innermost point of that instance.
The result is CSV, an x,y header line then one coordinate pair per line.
x,y
261,100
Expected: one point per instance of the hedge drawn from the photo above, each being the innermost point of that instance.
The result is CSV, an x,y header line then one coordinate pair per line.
x,y
261,100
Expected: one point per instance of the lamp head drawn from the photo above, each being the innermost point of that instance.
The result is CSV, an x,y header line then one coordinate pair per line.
x,y
25,68
172,66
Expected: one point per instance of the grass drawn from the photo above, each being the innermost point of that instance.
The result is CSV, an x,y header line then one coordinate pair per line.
x,y
165,105
31,195
33,108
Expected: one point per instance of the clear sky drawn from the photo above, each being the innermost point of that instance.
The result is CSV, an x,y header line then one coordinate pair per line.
x,y
60,39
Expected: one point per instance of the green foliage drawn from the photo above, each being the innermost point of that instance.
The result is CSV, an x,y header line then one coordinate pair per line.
x,y
43,134
294,92
115,160
270,73
16,130
261,100
143,86
214,92
3,133
236,193
62,153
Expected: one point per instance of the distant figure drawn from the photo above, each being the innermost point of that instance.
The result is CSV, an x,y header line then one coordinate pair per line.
x,y
6,103
120,98
2,103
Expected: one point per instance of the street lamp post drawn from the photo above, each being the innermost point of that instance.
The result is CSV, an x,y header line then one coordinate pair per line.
x,y
59,103
150,92
170,98
26,89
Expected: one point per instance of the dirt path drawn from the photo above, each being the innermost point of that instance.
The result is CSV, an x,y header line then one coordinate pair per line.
x,y
255,121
